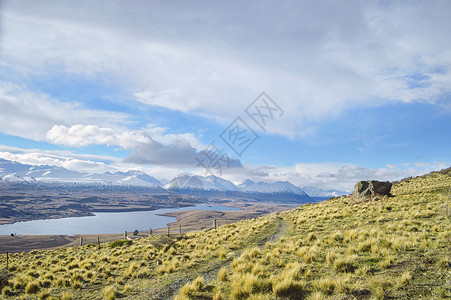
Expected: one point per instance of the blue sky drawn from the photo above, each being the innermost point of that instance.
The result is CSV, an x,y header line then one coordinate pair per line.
x,y
364,87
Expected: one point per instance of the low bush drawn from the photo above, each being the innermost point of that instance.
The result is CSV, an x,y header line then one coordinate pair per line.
x,y
121,243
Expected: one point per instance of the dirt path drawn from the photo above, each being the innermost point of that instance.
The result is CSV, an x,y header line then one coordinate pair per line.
x,y
210,272
276,236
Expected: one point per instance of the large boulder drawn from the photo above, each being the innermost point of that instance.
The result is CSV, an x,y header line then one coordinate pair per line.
x,y
371,189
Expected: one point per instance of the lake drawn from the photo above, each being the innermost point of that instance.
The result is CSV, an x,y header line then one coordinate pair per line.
x,y
102,222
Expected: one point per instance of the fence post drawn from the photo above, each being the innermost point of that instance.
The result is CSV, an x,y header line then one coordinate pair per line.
x,y
81,241
180,229
169,230
98,242
214,224
125,235
7,260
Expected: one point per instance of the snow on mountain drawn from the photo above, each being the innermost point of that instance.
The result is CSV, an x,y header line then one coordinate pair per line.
x,y
52,174
13,171
262,191
320,193
209,183
9,167
245,183
273,188
139,176
12,178
131,177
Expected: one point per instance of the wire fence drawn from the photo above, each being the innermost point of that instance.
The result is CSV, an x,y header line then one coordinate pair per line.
x,y
6,258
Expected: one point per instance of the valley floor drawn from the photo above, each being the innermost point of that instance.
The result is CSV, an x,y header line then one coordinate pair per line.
x,y
189,220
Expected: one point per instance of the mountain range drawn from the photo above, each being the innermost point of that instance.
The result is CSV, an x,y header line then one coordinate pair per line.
x,y
14,172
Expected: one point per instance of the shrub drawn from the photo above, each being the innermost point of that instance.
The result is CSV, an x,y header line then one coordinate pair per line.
x,y
311,237
63,282
344,265
121,243
110,293
66,296
189,288
330,257
222,274
6,291
43,294
4,275
242,285
198,283
317,296
46,283
76,284
326,285
405,278
290,288
127,289
20,282
32,288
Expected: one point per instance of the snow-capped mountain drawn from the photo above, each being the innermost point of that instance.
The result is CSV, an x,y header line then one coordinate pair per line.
x,y
245,183
16,172
209,183
215,186
315,192
131,177
272,188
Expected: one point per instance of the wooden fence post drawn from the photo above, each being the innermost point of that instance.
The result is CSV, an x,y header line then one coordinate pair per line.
x,y
180,229
98,242
169,230
125,235
7,260
81,241
214,224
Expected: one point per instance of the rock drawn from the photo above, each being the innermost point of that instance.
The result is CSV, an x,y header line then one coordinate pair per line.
x,y
371,189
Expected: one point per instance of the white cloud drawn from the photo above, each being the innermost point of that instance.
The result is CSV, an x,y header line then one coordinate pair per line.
x,y
32,115
331,175
172,99
318,59
80,135
83,135
334,176
161,135
65,159
151,146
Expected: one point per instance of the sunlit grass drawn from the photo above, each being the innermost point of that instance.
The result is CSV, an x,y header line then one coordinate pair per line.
x,y
335,248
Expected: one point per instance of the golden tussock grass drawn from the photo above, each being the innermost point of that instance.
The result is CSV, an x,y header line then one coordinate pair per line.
x,y
335,248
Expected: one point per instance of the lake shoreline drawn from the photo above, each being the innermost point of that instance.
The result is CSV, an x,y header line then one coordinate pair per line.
x,y
92,213
189,220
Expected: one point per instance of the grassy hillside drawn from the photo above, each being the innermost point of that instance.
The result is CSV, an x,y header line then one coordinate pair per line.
x,y
396,248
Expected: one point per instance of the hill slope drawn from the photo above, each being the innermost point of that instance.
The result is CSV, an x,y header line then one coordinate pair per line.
x,y
396,248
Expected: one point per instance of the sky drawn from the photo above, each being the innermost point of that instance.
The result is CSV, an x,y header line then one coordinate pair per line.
x,y
321,93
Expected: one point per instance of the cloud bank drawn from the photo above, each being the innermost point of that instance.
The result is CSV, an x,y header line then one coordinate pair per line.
x,y
212,59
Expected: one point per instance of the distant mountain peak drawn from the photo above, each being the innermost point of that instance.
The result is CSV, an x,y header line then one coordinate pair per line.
x,y
315,192
16,172
245,183
13,171
208,183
